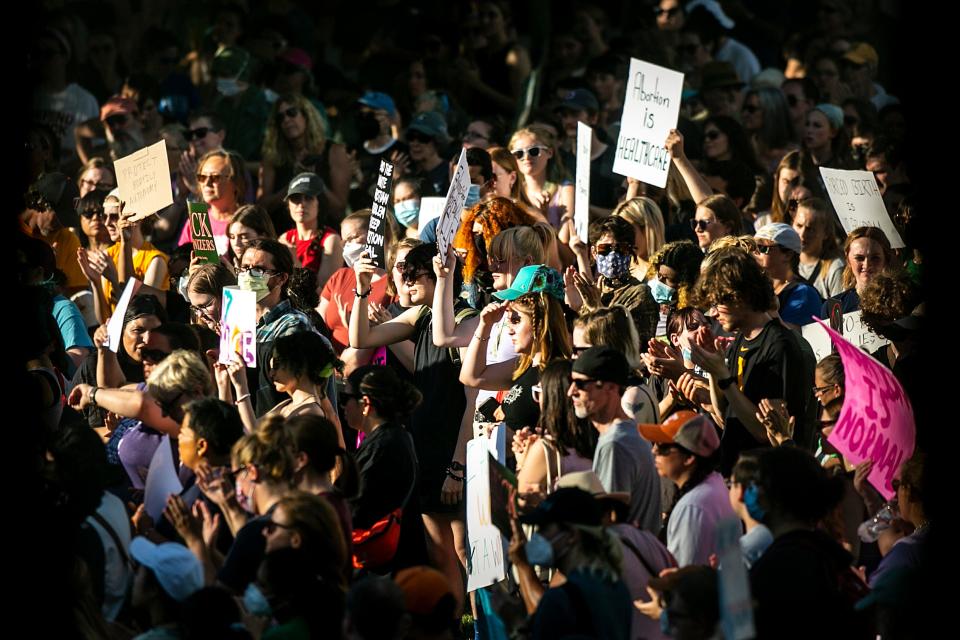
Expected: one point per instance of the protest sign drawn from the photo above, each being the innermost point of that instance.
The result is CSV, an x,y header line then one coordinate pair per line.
x,y
238,326
201,233
858,203
736,609
581,217
162,480
144,181
453,205
430,209
486,554
378,215
651,107
500,478
115,324
852,329
876,421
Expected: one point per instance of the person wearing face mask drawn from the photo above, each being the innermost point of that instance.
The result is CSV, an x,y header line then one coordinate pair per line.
x,y
407,193
377,403
318,247
676,267
240,105
265,268
593,601
336,298
611,246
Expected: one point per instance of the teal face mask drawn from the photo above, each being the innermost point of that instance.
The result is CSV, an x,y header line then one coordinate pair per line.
x,y
473,196
407,212
661,292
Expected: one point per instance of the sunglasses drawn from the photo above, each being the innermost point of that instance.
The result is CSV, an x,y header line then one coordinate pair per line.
x,y
657,11
713,134
700,225
583,383
92,213
273,525
414,136
343,397
291,112
664,450
155,356
206,178
533,152
410,279
606,248
299,198
196,134
818,391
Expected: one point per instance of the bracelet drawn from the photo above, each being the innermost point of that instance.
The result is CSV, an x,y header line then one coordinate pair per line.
x,y
92,395
362,295
241,399
480,338
456,466
454,477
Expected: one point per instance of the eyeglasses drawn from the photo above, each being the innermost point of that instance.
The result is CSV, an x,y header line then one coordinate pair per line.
x,y
583,383
473,135
196,134
713,134
201,309
291,112
700,225
819,391
410,279
422,138
606,248
533,152
273,525
206,178
258,272
400,265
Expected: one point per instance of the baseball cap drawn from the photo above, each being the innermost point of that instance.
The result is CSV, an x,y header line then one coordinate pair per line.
x,y
431,124
306,183
605,364
378,100
781,233
862,53
423,588
178,571
534,278
570,505
689,429
580,100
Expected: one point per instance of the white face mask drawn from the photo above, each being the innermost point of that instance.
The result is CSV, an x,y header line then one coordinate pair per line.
x,y
228,87
352,252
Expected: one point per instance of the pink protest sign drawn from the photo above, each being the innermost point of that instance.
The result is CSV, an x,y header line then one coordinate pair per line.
x,y
876,421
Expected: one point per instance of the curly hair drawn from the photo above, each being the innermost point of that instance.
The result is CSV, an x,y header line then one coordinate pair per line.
x,y
887,298
734,276
277,150
494,216
551,339
684,257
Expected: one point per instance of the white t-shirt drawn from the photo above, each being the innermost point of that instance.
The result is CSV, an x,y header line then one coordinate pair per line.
x,y
117,573
499,349
63,111
692,528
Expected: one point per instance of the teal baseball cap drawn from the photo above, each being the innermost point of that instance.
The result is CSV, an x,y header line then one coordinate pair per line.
x,y
534,279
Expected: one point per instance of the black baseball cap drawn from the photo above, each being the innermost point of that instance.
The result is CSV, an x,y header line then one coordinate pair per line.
x,y
605,364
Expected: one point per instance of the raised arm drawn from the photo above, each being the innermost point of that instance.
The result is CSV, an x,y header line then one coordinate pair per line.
x,y
475,372
446,332
698,187
362,335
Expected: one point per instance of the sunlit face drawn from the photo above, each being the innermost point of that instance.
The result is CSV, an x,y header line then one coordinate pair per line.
x,y
580,341
730,315
668,276
352,407
865,258
529,165
205,308
419,288
818,134
94,226
111,212
670,16
291,120
134,335
397,275
708,227
216,186
805,224
208,141
187,444
786,182
688,331
240,235
404,191
283,380
669,461
771,257
520,327
587,395
504,181
504,270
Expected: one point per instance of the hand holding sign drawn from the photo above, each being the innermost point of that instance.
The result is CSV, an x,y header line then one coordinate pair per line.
x,y
453,206
378,223
144,180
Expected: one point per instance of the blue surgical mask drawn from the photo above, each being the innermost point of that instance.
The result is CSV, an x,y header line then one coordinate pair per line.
x,y
255,602
687,355
228,87
751,500
661,292
407,212
539,551
664,623
614,265
473,196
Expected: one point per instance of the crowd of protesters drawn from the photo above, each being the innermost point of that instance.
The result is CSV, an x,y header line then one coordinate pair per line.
x,y
653,378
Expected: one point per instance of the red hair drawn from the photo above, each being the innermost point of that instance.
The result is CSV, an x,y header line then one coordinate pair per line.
x,y
494,216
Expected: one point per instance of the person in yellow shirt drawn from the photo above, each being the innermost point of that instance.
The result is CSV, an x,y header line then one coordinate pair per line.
x,y
49,203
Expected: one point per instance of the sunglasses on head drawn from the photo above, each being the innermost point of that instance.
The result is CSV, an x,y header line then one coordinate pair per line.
x,y
290,112
533,152
197,134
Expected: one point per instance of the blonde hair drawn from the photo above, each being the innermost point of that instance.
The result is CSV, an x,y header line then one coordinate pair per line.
x,y
270,448
277,150
180,372
747,243
237,171
644,213
612,326
521,242
507,162
556,172
550,336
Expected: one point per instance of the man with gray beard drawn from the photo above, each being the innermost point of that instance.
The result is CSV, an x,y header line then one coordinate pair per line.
x,y
122,126
623,460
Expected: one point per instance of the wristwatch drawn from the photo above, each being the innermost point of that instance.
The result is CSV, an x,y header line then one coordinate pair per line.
x,y
726,382
92,395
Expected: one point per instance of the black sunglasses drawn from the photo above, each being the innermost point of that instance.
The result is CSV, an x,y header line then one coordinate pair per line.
x,y
583,383
606,248
291,112
153,355
410,277
117,120
196,134
414,136
700,225
657,11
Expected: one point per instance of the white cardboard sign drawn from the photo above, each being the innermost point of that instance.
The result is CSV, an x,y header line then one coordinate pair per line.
x,y
858,203
115,324
144,180
487,557
453,205
581,218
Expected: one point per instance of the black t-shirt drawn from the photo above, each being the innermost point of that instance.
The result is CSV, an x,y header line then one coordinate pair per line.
x,y
772,366
240,566
437,180
849,302
519,408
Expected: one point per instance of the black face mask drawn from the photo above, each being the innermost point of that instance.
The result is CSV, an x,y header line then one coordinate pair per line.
x,y
367,126
481,246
